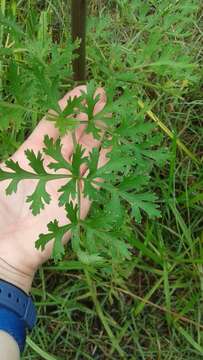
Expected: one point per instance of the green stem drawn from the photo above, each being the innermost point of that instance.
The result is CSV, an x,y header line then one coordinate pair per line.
x,y
26,175
77,185
74,140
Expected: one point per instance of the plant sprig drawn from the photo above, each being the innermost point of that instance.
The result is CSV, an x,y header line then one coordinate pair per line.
x,y
124,177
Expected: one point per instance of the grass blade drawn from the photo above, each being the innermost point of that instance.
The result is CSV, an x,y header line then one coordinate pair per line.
x,y
189,338
39,351
169,133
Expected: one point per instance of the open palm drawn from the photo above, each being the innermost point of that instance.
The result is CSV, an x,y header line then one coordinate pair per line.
x,y
19,228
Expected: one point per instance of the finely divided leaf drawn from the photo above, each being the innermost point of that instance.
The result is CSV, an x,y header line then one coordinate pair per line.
x,y
68,190
56,233
89,107
15,176
72,213
53,149
90,259
145,201
66,120
133,182
38,198
92,164
78,160
36,162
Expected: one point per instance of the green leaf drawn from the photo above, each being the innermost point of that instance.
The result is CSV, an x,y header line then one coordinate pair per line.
x,y
36,162
159,157
68,190
88,109
78,160
53,149
120,249
11,24
12,187
56,233
116,162
114,209
144,202
73,105
90,99
15,176
66,120
133,182
92,165
72,212
75,239
10,117
89,189
38,198
13,166
149,207
90,259
92,162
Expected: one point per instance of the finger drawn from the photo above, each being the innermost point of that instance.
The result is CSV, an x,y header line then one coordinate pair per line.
x,y
46,127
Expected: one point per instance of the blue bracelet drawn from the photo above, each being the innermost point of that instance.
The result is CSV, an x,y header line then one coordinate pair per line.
x,y
17,312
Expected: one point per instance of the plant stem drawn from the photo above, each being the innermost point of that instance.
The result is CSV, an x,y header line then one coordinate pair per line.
x,y
78,180
27,176
79,31
88,278
78,9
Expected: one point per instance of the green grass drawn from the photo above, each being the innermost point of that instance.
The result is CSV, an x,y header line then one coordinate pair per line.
x,y
150,307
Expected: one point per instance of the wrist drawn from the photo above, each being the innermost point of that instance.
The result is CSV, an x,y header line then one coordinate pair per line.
x,y
15,276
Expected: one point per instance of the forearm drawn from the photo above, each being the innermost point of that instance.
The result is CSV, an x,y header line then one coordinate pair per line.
x,y
9,349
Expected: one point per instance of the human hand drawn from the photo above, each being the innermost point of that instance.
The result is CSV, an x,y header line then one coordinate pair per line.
x,y
19,259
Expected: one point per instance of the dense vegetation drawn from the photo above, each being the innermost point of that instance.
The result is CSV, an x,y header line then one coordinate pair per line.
x,y
130,283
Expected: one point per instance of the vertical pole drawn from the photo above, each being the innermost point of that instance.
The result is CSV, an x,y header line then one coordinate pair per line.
x,y
78,14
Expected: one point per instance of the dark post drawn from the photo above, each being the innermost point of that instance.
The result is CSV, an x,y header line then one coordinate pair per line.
x,y
79,31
